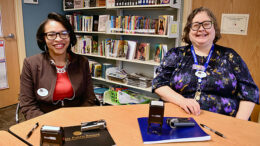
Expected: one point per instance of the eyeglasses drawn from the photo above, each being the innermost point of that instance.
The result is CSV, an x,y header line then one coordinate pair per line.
x,y
205,24
53,35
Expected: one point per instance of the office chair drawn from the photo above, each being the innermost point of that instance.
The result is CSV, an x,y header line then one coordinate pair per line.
x,y
17,112
19,117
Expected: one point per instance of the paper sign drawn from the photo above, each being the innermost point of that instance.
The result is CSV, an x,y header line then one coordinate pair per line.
x,y
3,73
234,24
31,1
2,51
1,31
3,76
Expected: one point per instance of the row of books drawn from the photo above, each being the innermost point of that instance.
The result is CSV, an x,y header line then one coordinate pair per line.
x,y
88,23
140,2
74,4
140,24
127,49
98,69
121,24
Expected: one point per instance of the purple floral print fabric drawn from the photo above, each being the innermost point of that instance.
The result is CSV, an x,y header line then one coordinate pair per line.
x,y
228,79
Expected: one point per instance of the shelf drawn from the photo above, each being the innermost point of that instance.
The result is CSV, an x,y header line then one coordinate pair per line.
x,y
144,35
126,34
149,62
87,8
90,32
140,6
123,84
125,7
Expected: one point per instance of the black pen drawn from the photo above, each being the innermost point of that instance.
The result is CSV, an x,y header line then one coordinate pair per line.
x,y
216,132
31,131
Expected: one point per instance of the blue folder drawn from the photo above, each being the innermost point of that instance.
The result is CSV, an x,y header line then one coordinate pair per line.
x,y
167,134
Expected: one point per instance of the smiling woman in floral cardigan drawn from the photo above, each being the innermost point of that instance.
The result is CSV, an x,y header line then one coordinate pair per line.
x,y
204,75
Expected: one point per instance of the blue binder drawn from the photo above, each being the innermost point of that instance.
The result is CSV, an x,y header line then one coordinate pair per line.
x,y
168,134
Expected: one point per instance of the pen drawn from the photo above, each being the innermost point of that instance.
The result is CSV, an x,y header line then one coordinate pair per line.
x,y
31,131
216,132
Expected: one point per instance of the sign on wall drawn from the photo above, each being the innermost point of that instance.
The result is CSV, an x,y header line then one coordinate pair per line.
x,y
234,24
3,72
31,1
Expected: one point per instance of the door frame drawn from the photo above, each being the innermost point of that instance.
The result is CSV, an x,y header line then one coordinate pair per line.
x,y
20,32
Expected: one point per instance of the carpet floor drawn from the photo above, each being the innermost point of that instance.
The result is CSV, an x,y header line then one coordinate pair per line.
x,y
7,117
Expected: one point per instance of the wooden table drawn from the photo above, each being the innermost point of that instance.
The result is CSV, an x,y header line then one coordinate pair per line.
x,y
7,139
123,126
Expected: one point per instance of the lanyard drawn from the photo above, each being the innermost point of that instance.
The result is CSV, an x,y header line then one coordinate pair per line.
x,y
200,72
205,65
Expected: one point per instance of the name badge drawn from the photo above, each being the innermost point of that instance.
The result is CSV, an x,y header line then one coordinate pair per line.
x,y
200,74
42,92
198,67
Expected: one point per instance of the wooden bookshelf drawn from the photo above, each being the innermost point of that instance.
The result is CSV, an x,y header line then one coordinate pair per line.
x,y
122,84
172,39
149,62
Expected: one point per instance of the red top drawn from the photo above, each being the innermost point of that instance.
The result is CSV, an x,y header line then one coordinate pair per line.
x,y
63,88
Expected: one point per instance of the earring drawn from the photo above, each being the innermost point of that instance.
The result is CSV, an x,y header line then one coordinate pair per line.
x,y
71,47
46,49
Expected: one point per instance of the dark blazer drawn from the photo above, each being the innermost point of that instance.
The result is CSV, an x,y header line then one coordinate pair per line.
x,y
38,80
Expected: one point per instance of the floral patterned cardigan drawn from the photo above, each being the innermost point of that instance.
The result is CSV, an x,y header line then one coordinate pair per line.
x,y
228,79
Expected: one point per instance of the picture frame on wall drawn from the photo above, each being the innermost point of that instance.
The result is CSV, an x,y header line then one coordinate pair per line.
x,y
30,1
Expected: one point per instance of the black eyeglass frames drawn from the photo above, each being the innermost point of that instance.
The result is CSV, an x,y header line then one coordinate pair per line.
x,y
205,24
53,35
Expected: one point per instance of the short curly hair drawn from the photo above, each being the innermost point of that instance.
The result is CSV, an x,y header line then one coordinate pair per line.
x,y
59,18
186,30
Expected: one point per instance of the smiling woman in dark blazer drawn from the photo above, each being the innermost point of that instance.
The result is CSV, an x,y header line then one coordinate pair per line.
x,y
57,77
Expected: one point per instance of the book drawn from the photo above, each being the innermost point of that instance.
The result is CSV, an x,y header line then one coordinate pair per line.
x,y
69,4
96,70
142,53
92,3
164,50
158,53
165,1
105,66
78,4
168,134
87,44
86,3
102,22
162,24
94,44
95,22
91,62
101,3
74,137
131,50
110,3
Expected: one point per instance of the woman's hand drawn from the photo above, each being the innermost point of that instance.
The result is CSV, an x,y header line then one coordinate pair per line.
x,y
190,106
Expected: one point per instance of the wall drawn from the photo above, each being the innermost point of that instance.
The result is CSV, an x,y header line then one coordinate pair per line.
x,y
33,15
248,46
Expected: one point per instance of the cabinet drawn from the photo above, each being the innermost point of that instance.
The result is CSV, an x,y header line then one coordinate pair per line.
x,y
172,38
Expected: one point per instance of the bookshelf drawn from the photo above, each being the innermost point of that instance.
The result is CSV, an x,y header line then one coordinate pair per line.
x,y
171,39
122,84
149,62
